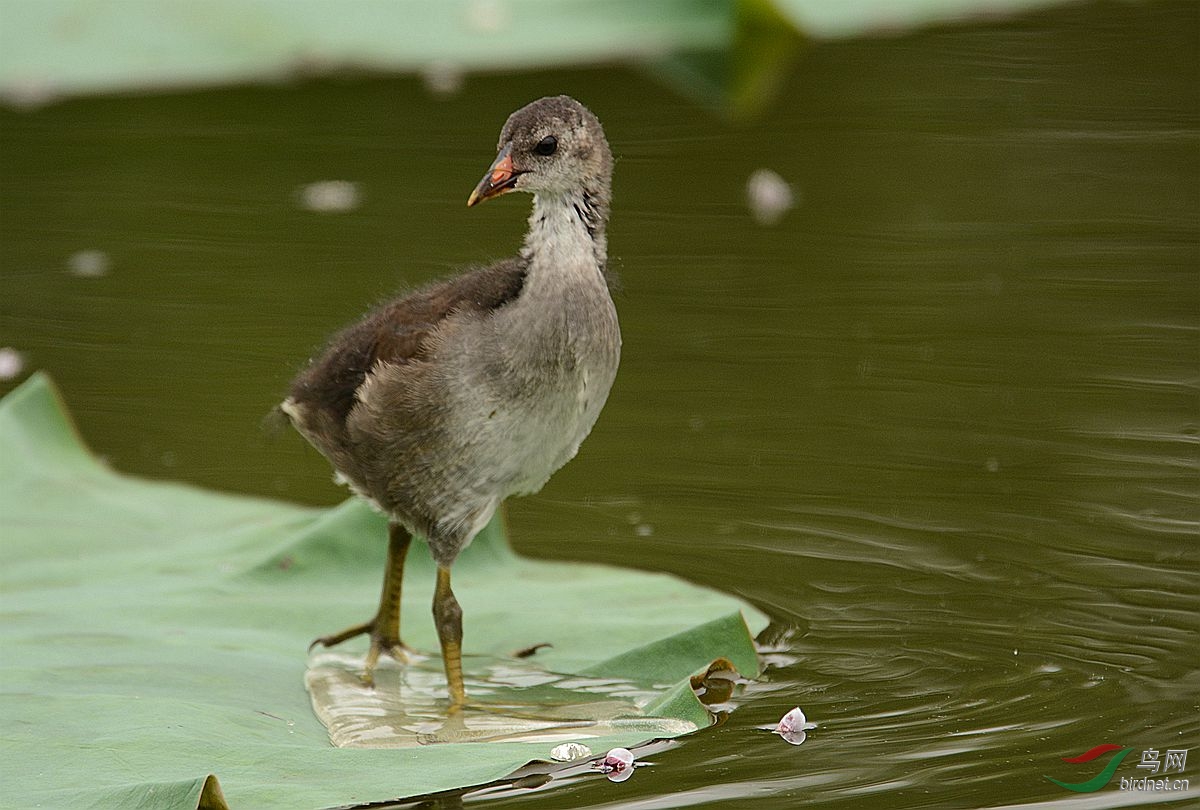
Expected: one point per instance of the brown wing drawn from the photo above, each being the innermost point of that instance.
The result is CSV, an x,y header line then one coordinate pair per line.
x,y
397,332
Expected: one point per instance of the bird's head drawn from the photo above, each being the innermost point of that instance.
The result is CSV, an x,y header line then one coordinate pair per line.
x,y
552,146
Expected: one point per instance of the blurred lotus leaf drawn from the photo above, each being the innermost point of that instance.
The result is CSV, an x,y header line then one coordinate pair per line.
x,y
728,52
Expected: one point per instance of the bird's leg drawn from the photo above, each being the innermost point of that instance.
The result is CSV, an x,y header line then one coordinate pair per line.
x,y
447,616
384,628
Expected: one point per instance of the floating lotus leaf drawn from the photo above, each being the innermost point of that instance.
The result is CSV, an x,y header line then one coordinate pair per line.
x,y
154,636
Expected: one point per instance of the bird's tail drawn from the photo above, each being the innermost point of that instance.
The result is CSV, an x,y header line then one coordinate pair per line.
x,y
274,423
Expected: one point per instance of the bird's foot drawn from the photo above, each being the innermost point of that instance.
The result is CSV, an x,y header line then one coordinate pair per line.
x,y
383,642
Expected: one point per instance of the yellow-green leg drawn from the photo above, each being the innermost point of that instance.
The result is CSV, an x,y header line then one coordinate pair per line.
x,y
384,628
447,616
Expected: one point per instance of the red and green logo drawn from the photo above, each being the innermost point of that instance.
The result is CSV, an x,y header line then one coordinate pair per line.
x,y
1101,779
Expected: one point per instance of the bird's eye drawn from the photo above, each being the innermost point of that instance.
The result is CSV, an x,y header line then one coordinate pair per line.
x,y
547,145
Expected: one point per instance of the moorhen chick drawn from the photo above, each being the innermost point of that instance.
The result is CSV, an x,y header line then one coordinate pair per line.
x,y
438,405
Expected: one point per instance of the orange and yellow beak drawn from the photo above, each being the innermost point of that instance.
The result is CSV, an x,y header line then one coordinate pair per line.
x,y
500,178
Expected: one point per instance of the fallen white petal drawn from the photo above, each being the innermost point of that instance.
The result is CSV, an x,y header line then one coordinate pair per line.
x,y
769,196
792,726
11,363
330,196
88,263
617,764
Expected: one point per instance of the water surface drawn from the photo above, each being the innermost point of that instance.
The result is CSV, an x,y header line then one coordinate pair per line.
x,y
942,420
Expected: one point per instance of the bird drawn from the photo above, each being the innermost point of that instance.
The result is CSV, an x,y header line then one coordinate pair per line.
x,y
438,405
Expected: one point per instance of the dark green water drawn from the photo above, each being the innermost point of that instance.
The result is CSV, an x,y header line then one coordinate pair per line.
x,y
943,419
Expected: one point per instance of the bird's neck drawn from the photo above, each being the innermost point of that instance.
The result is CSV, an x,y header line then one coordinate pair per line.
x,y
568,229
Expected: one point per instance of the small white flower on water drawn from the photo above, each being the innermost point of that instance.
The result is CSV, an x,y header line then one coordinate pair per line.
x,y
569,752
88,263
617,765
793,725
769,196
330,196
11,363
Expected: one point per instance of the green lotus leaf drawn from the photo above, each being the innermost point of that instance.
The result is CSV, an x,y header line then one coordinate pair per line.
x,y
153,642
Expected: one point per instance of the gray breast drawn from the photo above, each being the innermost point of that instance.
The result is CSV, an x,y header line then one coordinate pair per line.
x,y
554,356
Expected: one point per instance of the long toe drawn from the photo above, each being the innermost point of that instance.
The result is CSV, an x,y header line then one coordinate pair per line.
x,y
337,638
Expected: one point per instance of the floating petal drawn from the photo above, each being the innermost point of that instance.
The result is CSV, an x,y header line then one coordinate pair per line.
x,y
617,765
